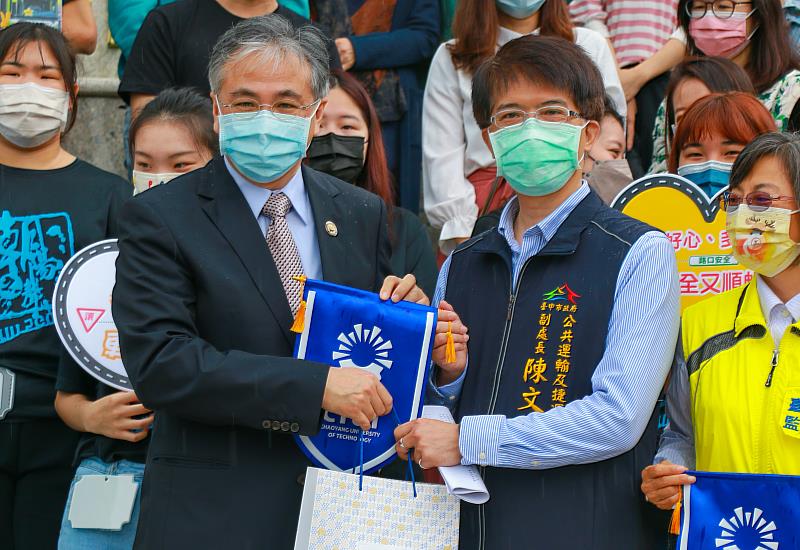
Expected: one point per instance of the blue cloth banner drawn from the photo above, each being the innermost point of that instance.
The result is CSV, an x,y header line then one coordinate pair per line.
x,y
345,327
741,512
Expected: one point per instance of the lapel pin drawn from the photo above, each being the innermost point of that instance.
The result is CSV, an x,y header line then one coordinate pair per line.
x,y
331,228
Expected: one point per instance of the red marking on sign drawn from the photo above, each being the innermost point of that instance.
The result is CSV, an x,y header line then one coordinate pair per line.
x,y
90,317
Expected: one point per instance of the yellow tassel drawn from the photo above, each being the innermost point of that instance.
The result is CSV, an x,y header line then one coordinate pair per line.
x,y
450,350
675,523
300,319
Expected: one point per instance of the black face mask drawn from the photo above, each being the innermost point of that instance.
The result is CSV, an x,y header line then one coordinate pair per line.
x,y
339,156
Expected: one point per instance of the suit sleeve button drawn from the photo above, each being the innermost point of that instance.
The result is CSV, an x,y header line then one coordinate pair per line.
x,y
285,426
295,427
276,425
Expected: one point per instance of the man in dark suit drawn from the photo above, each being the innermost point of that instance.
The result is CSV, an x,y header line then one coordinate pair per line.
x,y
205,297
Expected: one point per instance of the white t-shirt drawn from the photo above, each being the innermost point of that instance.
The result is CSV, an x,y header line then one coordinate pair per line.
x,y
452,145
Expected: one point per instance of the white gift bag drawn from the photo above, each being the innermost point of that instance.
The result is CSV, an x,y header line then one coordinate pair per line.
x,y
384,515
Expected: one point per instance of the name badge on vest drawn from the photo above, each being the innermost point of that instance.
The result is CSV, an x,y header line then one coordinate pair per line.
x,y
102,502
6,392
790,412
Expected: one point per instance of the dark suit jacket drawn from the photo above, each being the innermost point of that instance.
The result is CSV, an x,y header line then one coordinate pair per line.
x,y
204,328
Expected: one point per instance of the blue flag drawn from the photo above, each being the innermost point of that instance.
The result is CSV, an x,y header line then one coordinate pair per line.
x,y
345,327
741,512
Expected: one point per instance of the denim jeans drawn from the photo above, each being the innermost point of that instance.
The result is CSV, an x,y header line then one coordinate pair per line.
x,y
102,539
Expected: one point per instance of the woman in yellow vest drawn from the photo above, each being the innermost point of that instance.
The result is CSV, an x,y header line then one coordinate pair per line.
x,y
734,395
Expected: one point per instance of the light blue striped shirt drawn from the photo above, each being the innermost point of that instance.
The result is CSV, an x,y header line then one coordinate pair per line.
x,y
626,383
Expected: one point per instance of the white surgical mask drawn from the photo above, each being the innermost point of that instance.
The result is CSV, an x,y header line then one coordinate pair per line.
x,y
31,114
142,181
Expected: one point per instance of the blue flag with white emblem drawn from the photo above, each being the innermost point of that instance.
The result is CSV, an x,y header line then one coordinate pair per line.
x,y
346,327
741,512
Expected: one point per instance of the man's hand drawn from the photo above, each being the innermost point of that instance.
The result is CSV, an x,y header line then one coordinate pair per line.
x,y
112,416
661,484
357,395
347,55
435,443
448,318
403,289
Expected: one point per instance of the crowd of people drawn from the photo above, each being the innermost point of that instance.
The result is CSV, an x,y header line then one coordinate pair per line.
x,y
333,139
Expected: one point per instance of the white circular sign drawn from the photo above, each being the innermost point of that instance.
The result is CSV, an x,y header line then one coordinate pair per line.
x,y
82,313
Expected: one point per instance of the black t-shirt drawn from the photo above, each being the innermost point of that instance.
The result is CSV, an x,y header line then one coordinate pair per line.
x,y
174,45
45,217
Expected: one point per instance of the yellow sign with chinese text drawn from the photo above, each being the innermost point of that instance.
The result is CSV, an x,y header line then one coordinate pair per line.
x,y
695,225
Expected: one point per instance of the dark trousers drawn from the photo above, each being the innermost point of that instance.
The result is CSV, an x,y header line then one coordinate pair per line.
x,y
35,473
647,102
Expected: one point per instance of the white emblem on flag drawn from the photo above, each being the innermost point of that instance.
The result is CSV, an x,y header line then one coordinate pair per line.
x,y
365,349
747,527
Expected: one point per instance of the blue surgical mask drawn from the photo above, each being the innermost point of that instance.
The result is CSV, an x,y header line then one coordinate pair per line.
x,y
519,9
537,158
263,146
712,176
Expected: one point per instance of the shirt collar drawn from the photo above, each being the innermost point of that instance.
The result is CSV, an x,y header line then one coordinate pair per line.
x,y
257,196
769,300
548,226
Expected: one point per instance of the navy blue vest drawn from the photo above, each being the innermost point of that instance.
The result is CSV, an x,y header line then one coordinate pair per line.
x,y
535,350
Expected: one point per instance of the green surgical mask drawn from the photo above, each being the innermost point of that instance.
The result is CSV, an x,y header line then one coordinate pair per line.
x,y
537,158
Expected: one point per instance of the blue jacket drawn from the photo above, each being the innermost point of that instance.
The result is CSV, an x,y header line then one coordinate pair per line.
x,y
411,42
534,349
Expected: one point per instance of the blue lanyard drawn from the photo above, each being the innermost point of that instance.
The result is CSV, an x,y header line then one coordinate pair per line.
x,y
409,473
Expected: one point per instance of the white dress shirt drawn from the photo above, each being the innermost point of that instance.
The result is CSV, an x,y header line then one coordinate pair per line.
x,y
452,145
300,218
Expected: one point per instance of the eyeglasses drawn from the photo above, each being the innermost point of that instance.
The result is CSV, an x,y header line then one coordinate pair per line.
x,y
722,9
283,109
551,113
757,200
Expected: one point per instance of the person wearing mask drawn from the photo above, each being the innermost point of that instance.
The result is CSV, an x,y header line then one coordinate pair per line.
x,y
754,35
605,167
228,242
173,44
637,29
690,81
458,169
712,134
51,205
549,389
739,350
387,46
173,134
349,146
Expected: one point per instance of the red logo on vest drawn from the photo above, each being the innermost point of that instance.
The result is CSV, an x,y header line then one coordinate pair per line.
x,y
562,293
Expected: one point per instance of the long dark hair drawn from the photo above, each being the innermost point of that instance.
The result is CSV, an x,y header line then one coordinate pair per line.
x,y
771,51
14,38
718,74
375,177
475,29
184,106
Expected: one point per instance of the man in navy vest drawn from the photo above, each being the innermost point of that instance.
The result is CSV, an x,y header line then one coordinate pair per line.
x,y
572,311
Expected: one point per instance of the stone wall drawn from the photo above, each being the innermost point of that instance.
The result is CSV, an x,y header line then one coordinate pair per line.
x,y
97,134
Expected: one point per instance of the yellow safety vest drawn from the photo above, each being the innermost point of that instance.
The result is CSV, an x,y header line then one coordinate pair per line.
x,y
745,393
